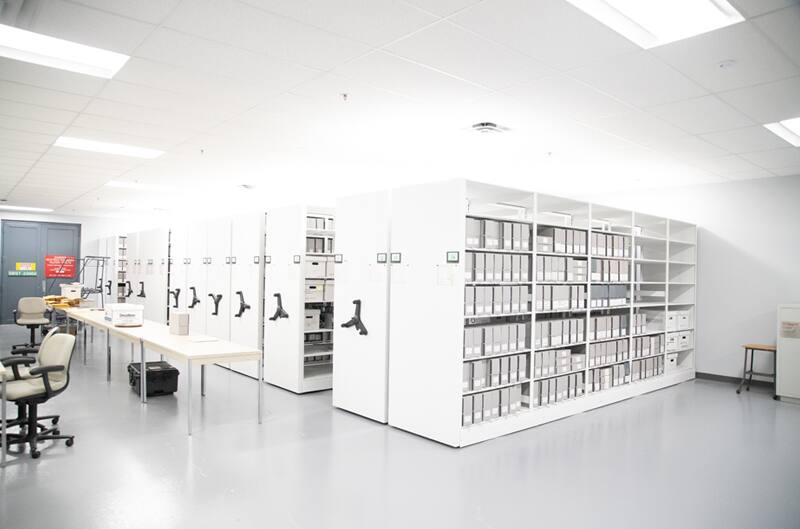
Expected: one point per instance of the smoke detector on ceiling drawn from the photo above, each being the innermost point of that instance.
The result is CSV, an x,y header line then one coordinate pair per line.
x,y
487,127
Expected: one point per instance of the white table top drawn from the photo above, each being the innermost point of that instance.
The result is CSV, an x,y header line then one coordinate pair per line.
x,y
157,338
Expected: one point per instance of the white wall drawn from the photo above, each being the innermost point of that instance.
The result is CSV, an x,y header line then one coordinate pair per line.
x,y
748,254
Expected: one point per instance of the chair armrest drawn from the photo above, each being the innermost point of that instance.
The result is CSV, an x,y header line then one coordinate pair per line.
x,y
46,370
15,362
24,350
14,312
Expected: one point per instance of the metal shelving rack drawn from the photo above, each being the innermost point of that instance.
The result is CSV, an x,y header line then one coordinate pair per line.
x,y
426,373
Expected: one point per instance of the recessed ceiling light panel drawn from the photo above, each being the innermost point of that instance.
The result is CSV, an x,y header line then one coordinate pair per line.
x,y
82,144
788,129
25,208
27,46
653,23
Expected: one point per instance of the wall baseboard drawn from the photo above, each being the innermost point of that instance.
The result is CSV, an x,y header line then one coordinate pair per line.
x,y
732,380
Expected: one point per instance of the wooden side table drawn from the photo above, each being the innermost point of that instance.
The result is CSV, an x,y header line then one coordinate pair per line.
x,y
747,374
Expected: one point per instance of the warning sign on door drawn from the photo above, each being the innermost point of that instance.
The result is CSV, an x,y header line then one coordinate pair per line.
x,y
59,266
790,329
28,267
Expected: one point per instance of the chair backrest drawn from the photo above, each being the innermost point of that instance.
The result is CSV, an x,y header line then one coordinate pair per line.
x,y
57,351
31,308
47,336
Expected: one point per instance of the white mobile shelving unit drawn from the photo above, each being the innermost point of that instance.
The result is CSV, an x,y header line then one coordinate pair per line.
x,y
299,291
510,309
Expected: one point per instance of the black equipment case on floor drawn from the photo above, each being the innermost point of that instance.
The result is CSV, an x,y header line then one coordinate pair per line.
x,y
162,378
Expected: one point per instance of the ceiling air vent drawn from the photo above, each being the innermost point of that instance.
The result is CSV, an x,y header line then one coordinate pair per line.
x,y
487,127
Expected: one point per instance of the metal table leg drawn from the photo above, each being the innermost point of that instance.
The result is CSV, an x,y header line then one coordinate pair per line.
x,y
108,355
744,373
260,387
189,397
752,357
4,434
143,373
203,380
84,338
775,375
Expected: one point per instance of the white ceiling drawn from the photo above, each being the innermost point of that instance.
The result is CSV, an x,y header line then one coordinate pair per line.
x,y
250,92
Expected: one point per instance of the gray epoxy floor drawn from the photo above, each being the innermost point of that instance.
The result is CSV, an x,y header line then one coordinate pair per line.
x,y
692,456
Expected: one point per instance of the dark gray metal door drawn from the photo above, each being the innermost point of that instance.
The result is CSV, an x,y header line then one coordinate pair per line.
x,y
27,242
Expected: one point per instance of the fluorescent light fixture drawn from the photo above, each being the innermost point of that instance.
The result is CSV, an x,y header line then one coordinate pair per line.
x,y
651,23
25,208
788,129
27,46
124,184
107,148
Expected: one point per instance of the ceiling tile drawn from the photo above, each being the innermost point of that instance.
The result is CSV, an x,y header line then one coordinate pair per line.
x,y
686,148
149,115
792,170
403,77
637,126
35,112
133,128
42,97
18,154
180,49
466,55
724,165
775,159
152,11
639,79
30,125
375,22
14,145
247,27
443,8
749,175
701,115
783,28
52,78
768,102
27,137
174,104
117,137
747,139
752,8
551,31
757,59
88,26
561,97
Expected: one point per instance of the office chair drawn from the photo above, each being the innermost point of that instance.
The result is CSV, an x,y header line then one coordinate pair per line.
x,y
31,313
48,379
16,368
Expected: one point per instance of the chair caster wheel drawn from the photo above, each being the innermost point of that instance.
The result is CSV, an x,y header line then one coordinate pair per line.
x,y
738,391
747,389
70,442
774,397
35,454
56,432
55,420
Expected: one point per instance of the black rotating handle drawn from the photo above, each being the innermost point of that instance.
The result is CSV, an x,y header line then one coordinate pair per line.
x,y
130,290
217,298
279,312
108,287
242,305
141,293
356,319
195,300
176,293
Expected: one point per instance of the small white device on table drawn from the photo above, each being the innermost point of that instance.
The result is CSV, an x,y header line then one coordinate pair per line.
x,y
787,382
71,290
125,314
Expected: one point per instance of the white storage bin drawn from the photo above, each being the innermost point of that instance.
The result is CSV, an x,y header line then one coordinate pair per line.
x,y
311,321
672,341
685,340
125,314
315,268
315,291
684,320
71,291
330,266
672,362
